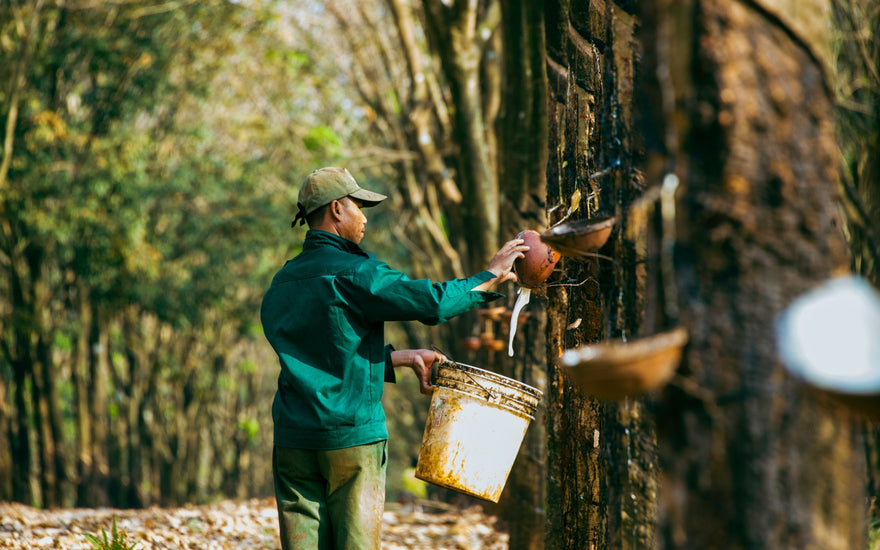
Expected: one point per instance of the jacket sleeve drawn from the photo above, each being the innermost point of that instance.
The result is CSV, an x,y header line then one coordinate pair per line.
x,y
384,294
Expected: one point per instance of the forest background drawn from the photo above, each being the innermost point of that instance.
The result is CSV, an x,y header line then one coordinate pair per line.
x,y
152,153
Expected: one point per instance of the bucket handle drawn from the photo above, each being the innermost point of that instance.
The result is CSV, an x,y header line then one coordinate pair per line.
x,y
451,360
491,395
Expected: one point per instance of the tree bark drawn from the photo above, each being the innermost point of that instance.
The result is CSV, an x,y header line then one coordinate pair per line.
x,y
602,456
742,119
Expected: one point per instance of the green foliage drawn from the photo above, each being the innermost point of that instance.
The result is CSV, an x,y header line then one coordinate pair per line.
x,y
116,541
250,427
247,366
322,140
874,534
152,177
856,25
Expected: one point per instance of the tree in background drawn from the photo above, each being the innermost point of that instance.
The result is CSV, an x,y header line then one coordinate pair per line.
x,y
857,58
143,194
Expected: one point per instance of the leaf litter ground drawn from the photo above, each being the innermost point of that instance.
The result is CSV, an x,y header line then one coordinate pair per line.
x,y
229,525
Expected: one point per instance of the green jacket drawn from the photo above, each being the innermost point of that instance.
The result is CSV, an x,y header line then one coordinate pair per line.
x,y
324,315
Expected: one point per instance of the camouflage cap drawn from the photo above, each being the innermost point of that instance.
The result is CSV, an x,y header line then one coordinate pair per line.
x,y
326,185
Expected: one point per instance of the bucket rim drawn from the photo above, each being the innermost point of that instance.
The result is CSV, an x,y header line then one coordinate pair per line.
x,y
494,377
525,411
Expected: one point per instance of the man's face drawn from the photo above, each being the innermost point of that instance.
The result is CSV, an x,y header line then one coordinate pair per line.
x,y
353,222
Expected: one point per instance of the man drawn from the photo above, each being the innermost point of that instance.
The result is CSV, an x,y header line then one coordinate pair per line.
x,y
324,315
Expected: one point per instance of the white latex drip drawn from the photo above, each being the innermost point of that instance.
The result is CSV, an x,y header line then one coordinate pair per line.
x,y
521,300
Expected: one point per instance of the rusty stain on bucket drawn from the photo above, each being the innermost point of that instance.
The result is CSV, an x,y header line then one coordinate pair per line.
x,y
475,426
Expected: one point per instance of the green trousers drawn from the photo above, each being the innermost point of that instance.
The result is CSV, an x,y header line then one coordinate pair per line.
x,y
330,499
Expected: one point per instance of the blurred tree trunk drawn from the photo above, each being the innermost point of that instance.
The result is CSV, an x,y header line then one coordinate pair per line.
x,y
13,353
458,31
53,478
136,375
20,446
22,351
521,131
737,106
5,438
84,461
99,408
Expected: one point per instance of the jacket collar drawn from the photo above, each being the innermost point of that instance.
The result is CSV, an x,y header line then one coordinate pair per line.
x,y
316,238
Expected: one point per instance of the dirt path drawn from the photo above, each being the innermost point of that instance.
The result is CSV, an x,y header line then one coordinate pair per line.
x,y
235,526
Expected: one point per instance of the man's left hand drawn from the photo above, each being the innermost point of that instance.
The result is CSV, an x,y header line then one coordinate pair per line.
x,y
420,361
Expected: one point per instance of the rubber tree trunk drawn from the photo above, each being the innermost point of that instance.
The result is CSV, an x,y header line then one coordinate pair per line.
x,y
738,108
601,456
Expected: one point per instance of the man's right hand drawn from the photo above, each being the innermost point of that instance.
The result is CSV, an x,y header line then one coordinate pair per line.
x,y
502,263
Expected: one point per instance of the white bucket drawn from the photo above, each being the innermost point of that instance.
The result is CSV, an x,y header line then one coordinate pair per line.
x,y
474,430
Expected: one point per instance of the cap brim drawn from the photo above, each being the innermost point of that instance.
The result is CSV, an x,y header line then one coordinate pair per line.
x,y
368,198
